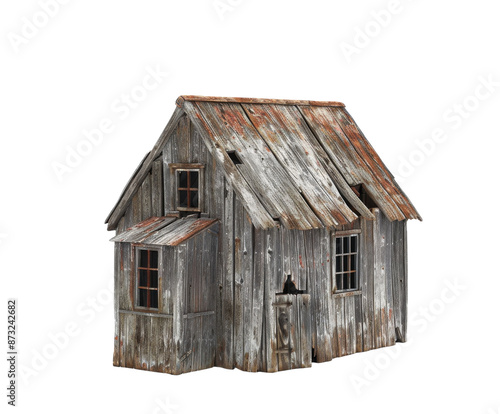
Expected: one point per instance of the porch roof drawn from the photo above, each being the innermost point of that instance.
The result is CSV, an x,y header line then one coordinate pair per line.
x,y
164,231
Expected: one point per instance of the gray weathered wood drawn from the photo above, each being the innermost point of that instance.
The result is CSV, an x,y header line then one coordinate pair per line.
x,y
261,242
157,196
116,305
389,251
367,283
228,279
241,280
404,287
289,140
273,267
260,216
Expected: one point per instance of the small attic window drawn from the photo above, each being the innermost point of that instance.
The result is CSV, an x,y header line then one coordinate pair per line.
x,y
189,186
234,157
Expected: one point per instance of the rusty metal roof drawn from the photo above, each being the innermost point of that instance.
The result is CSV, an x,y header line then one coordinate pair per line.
x,y
300,158
163,231
299,161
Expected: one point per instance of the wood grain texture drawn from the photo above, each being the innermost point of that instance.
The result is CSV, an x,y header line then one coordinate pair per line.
x,y
194,98
227,332
290,142
157,196
272,285
116,304
234,131
260,217
261,242
367,283
338,138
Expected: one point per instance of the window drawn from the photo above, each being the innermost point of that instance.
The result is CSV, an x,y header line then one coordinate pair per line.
x,y
346,263
234,157
147,279
363,195
188,186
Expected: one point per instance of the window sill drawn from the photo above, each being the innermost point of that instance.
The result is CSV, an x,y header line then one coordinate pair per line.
x,y
146,312
347,294
189,209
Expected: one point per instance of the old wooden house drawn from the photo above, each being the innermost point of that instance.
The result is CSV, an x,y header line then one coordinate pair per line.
x,y
258,234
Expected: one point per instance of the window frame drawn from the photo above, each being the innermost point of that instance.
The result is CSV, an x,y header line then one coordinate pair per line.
x,y
188,167
342,234
136,275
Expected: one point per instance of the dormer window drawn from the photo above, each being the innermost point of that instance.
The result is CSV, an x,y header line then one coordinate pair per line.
x,y
189,186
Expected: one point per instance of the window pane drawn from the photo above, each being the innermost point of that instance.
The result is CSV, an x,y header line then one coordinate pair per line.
x,y
153,299
346,244
143,277
338,264
143,297
153,278
183,198
338,245
346,280
194,199
346,263
143,258
354,244
193,178
153,259
339,282
354,280
353,262
182,175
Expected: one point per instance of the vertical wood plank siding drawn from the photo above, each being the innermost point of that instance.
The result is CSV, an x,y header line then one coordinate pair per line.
x,y
180,337
399,279
156,195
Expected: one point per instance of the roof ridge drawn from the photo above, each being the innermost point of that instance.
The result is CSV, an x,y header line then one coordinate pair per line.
x,y
181,99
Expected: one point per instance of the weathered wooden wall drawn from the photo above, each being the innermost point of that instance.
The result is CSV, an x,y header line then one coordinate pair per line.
x,y
336,319
146,342
399,267
376,282
186,146
384,281
143,340
148,201
193,274
255,264
180,336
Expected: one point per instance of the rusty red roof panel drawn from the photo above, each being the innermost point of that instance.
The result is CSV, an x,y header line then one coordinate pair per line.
x,y
358,162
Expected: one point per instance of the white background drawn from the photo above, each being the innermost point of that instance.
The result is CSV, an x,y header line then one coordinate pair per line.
x,y
405,80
